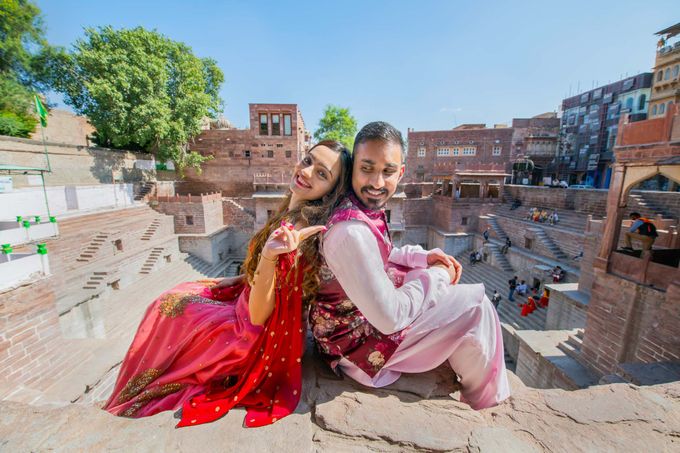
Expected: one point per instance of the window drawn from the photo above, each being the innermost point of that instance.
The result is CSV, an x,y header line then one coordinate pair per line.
x,y
443,152
496,151
667,74
464,221
654,109
597,94
287,127
469,150
276,124
584,97
246,154
528,243
662,109
189,220
288,153
659,76
118,244
456,151
676,70
279,145
641,102
264,126
629,103
421,152
270,153
594,108
628,84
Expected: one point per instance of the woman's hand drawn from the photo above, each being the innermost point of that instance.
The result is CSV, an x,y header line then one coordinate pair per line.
x,y
286,239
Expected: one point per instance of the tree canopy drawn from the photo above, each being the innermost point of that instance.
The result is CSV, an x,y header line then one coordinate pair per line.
x,y
22,42
140,90
337,124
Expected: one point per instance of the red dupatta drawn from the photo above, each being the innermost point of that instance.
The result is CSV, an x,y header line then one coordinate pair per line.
x,y
270,386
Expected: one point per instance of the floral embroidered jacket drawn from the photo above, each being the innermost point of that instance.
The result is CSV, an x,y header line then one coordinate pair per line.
x,y
339,328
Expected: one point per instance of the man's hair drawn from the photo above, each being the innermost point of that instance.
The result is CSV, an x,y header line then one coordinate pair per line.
x,y
381,131
635,214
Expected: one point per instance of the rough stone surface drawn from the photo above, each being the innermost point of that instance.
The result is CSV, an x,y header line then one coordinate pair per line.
x,y
416,414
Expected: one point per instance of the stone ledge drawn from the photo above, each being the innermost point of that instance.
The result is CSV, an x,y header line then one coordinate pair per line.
x,y
415,414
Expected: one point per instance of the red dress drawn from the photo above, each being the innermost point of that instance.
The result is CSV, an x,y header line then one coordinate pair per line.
x,y
197,349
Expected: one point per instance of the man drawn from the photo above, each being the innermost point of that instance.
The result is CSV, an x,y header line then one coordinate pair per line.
x,y
522,288
643,230
495,299
380,310
506,247
558,274
486,234
513,286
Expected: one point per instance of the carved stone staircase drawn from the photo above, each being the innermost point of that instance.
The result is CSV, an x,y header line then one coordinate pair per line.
x,y
88,253
95,280
145,189
549,243
151,230
151,260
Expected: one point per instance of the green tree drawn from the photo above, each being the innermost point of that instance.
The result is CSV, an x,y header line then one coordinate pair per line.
x,y
337,124
140,90
22,42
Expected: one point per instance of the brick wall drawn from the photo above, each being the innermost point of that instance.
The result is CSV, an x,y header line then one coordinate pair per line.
x,y
457,216
418,211
241,154
29,327
484,139
71,164
193,214
628,322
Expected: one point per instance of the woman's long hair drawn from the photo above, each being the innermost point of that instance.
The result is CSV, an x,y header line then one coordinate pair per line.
x,y
315,212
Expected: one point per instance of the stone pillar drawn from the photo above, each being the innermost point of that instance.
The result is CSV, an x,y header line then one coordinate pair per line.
x,y
612,227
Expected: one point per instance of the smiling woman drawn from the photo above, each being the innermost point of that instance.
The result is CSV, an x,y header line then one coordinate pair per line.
x,y
208,346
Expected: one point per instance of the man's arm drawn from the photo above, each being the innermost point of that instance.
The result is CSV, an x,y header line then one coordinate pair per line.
x,y
352,253
637,224
409,255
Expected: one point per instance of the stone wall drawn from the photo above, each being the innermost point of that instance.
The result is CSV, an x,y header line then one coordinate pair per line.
x,y
74,165
65,127
628,322
29,327
534,365
193,214
593,201
568,308
456,216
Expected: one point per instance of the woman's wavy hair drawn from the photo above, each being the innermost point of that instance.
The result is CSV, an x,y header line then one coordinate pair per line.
x,y
314,212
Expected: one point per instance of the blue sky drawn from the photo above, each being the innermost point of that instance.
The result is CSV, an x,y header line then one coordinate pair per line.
x,y
427,65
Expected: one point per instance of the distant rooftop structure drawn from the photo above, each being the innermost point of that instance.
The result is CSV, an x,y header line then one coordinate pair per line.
x,y
670,31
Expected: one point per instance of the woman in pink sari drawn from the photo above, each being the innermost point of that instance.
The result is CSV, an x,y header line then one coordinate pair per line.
x,y
208,347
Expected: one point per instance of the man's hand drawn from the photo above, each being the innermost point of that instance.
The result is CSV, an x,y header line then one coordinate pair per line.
x,y
437,257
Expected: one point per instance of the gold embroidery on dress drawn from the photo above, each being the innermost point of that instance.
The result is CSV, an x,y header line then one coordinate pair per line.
x,y
137,384
150,394
173,305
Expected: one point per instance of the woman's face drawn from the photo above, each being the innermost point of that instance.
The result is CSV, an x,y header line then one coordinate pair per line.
x,y
316,174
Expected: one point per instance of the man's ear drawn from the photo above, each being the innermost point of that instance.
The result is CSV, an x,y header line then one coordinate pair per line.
x,y
401,171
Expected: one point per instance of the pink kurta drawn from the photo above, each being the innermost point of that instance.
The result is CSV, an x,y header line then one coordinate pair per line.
x,y
441,321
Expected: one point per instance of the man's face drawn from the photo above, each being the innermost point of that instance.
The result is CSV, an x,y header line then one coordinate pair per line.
x,y
377,171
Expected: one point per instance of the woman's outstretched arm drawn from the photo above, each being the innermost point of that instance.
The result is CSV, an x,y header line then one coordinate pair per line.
x,y
282,240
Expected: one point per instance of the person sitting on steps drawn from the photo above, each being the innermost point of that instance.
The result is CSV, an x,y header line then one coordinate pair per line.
x,y
643,230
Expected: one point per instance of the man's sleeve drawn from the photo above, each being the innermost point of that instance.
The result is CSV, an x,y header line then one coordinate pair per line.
x,y
637,224
410,255
351,252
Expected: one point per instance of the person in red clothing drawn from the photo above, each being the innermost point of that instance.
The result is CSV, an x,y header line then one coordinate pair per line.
x,y
208,346
545,299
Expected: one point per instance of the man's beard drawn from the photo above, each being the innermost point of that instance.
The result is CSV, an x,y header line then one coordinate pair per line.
x,y
374,203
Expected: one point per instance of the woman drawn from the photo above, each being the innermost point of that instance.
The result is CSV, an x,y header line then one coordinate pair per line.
x,y
207,348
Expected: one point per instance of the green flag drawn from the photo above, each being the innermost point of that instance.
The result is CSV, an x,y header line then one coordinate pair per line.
x,y
41,111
